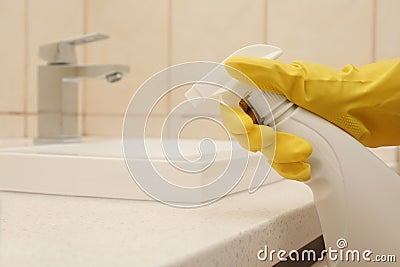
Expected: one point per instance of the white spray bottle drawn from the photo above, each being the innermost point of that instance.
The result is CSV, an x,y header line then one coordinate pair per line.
x,y
357,196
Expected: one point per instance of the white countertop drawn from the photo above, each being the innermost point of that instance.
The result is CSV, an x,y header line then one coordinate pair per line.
x,y
45,230
48,230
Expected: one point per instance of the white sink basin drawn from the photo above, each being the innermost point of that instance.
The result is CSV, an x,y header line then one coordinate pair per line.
x,y
98,169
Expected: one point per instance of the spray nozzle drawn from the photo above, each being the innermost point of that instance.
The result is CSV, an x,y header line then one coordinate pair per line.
x,y
257,50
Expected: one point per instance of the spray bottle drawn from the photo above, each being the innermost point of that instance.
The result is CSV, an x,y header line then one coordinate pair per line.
x,y
357,196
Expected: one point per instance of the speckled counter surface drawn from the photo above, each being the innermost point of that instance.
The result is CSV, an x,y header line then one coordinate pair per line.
x,y
44,230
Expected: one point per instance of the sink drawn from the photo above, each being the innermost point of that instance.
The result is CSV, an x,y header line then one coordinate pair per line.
x,y
97,168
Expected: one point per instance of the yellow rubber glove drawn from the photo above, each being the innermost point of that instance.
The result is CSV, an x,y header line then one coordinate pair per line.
x,y
365,101
291,152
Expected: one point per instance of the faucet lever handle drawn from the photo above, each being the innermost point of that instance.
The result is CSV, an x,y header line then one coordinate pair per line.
x,y
63,52
86,38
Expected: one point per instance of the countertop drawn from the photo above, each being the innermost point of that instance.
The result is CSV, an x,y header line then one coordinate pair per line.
x,y
49,230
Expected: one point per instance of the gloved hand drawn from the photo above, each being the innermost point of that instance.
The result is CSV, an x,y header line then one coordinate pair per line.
x,y
365,101
291,152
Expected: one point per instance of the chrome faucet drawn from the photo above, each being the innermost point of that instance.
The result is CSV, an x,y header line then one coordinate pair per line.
x,y
58,119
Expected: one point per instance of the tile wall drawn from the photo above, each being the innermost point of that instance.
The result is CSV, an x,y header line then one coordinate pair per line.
x,y
151,35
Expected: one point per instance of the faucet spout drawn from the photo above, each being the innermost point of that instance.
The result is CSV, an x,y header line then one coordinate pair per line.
x,y
100,71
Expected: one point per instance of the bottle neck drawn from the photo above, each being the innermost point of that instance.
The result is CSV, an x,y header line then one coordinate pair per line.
x,y
269,108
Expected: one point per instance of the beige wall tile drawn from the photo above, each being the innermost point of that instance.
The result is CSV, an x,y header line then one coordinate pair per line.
x,y
12,45
107,126
112,126
148,36
387,42
212,30
203,128
155,126
11,126
186,127
331,32
31,125
49,21
139,38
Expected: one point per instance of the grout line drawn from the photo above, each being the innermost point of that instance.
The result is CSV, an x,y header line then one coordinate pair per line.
x,y
84,84
22,113
13,113
265,21
169,37
169,47
398,159
374,29
121,115
26,67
